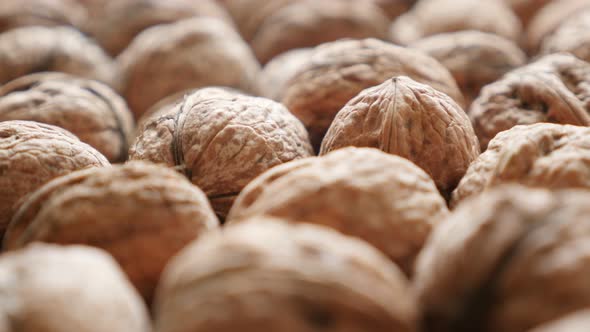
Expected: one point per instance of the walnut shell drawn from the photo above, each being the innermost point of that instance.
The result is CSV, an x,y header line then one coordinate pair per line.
x,y
579,321
474,58
275,75
431,17
508,260
17,13
384,199
526,9
142,214
33,153
340,70
552,89
394,8
37,49
53,288
311,23
541,155
188,54
221,140
572,36
88,109
268,275
411,120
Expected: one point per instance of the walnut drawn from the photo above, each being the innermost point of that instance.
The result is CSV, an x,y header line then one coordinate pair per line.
x,y
474,58
508,260
412,120
276,74
142,214
431,17
188,54
17,13
37,49
579,321
86,108
268,275
394,8
572,36
340,70
310,23
31,154
53,288
541,155
384,199
221,140
526,9
552,89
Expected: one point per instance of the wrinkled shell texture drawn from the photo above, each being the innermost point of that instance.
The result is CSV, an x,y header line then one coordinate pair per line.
x,y
141,214
37,49
412,120
540,155
474,58
236,280
553,89
508,260
577,322
55,289
572,36
275,75
340,70
431,17
118,22
88,109
383,199
170,58
16,13
526,9
221,140
310,23
33,153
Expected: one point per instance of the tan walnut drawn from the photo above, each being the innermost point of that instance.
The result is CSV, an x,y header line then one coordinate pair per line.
x,y
275,75
394,8
526,9
572,36
16,13
579,321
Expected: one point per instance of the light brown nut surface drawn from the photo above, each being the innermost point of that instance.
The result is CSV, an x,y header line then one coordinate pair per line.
x,y
411,120
140,213
37,49
508,260
474,58
86,108
431,17
53,288
221,140
266,274
31,154
340,70
384,199
310,23
275,75
17,13
526,9
579,321
188,54
540,155
394,8
572,36
552,89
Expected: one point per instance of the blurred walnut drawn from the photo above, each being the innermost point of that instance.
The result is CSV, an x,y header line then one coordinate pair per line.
x,y
572,36
394,8
276,74
19,13
579,321
526,9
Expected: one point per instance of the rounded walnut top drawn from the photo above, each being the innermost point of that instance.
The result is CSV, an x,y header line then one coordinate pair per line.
x,y
17,13
275,75
572,36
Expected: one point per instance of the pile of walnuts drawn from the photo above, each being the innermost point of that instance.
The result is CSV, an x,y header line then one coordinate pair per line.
x,y
294,165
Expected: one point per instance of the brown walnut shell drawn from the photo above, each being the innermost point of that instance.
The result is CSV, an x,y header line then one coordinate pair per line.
x,y
431,17
526,9
62,49
221,140
572,36
269,275
411,120
311,23
53,288
275,75
579,321
386,200
541,155
88,109
188,54
33,153
508,260
18,13
141,214
474,58
340,70
552,89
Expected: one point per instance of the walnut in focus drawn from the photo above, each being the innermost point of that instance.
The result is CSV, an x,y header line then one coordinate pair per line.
x,y
141,214
340,70
383,199
188,54
275,75
88,109
540,155
269,275
431,17
474,58
53,288
572,36
552,89
579,321
411,120
508,260
18,13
